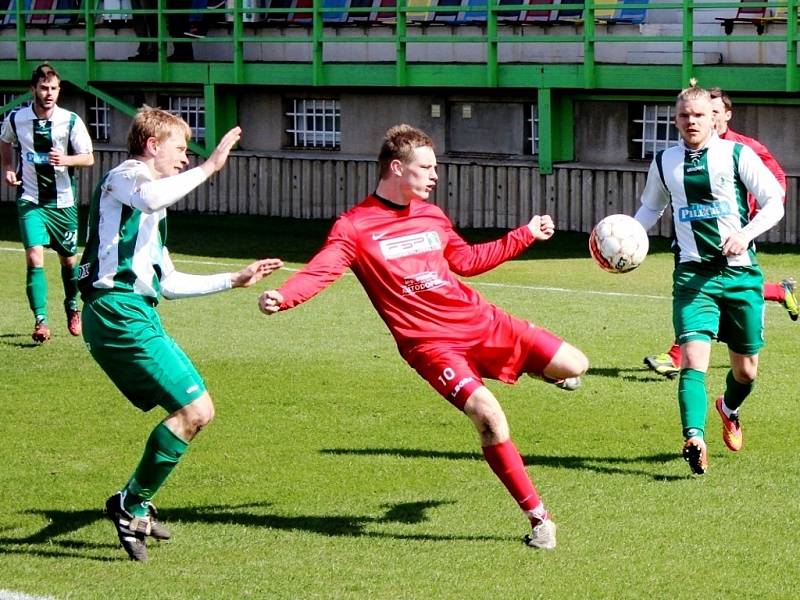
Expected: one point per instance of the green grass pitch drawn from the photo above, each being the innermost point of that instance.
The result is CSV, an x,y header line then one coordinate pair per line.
x,y
333,471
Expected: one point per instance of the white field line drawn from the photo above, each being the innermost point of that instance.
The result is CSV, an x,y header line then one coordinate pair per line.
x,y
12,595
532,288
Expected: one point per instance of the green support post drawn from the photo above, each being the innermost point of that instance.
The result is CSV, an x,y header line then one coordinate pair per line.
x,y
544,109
588,46
687,46
556,129
401,72
492,79
221,115
791,47
317,76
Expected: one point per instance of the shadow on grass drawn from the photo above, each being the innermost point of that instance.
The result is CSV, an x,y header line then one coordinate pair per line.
x,y
608,465
18,340
641,374
44,543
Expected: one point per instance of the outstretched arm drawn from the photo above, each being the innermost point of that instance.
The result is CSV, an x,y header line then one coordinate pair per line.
x,y
473,259
164,192
175,284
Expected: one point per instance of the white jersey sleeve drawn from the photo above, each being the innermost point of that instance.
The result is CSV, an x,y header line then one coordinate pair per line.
x,y
655,199
175,285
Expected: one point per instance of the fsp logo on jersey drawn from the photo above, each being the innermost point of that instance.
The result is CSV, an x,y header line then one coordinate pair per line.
x,y
409,245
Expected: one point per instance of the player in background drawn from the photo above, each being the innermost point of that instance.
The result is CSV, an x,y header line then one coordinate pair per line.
x,y
406,255
40,146
669,362
717,283
124,270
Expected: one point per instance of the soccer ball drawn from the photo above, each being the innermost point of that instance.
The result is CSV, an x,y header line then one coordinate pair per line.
x,y
618,244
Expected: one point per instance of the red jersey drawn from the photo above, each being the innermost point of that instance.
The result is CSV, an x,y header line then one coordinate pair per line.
x,y
765,156
407,259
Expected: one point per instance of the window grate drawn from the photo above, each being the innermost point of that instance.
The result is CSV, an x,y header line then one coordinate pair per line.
x,y
656,130
100,120
191,109
315,123
532,130
6,97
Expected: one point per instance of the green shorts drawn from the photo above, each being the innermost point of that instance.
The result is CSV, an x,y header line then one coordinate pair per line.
x,y
726,303
124,335
56,228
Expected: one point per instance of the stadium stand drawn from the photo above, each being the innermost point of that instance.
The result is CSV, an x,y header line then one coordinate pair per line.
x,y
754,15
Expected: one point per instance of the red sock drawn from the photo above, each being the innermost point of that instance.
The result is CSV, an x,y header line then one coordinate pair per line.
x,y
675,354
505,461
774,292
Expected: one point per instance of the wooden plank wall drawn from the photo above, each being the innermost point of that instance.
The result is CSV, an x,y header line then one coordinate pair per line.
x,y
489,194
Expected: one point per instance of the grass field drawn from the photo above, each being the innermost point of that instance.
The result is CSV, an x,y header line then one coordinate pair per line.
x,y
333,471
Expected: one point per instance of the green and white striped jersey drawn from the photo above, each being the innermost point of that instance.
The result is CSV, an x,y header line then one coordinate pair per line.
x,y
127,230
707,189
34,138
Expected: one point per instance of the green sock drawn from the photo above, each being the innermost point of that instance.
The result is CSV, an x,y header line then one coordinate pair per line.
x,y
36,288
735,392
692,402
69,277
161,454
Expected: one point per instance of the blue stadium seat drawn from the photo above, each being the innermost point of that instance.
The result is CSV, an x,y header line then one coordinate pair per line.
x,y
633,16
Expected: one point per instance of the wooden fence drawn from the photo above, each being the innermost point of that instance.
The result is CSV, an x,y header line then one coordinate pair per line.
x,y
474,195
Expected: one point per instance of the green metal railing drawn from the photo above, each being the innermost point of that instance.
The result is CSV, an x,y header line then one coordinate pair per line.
x,y
236,34
551,84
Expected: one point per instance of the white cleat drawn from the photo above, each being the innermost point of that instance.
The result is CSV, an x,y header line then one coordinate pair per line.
x,y
542,536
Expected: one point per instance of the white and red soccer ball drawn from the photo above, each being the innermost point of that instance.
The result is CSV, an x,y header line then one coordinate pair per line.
x,y
618,244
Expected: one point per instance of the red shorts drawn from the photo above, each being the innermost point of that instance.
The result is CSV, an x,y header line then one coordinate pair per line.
x,y
510,348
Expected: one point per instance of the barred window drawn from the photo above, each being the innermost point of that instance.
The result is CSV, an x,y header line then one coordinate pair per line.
x,y
653,129
99,120
5,98
191,109
532,130
314,123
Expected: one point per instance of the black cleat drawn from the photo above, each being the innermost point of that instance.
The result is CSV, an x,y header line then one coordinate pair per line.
x,y
131,530
695,453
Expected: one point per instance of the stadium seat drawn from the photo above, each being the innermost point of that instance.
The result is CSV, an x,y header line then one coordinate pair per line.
x,y
278,17
336,16
419,16
624,14
569,15
362,17
541,16
389,15
755,15
447,16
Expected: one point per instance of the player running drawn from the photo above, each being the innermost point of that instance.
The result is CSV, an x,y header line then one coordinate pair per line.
x,y
50,143
406,255
668,363
124,270
717,283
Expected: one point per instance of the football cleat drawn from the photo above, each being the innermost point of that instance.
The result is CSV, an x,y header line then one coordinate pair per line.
x,y
695,453
542,535
41,332
74,321
663,365
157,529
570,384
131,530
731,428
789,299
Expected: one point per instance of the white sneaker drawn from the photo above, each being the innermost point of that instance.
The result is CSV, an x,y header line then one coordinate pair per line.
x,y
570,384
542,536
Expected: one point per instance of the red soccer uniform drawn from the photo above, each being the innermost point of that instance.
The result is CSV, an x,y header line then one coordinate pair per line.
x,y
766,157
407,259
